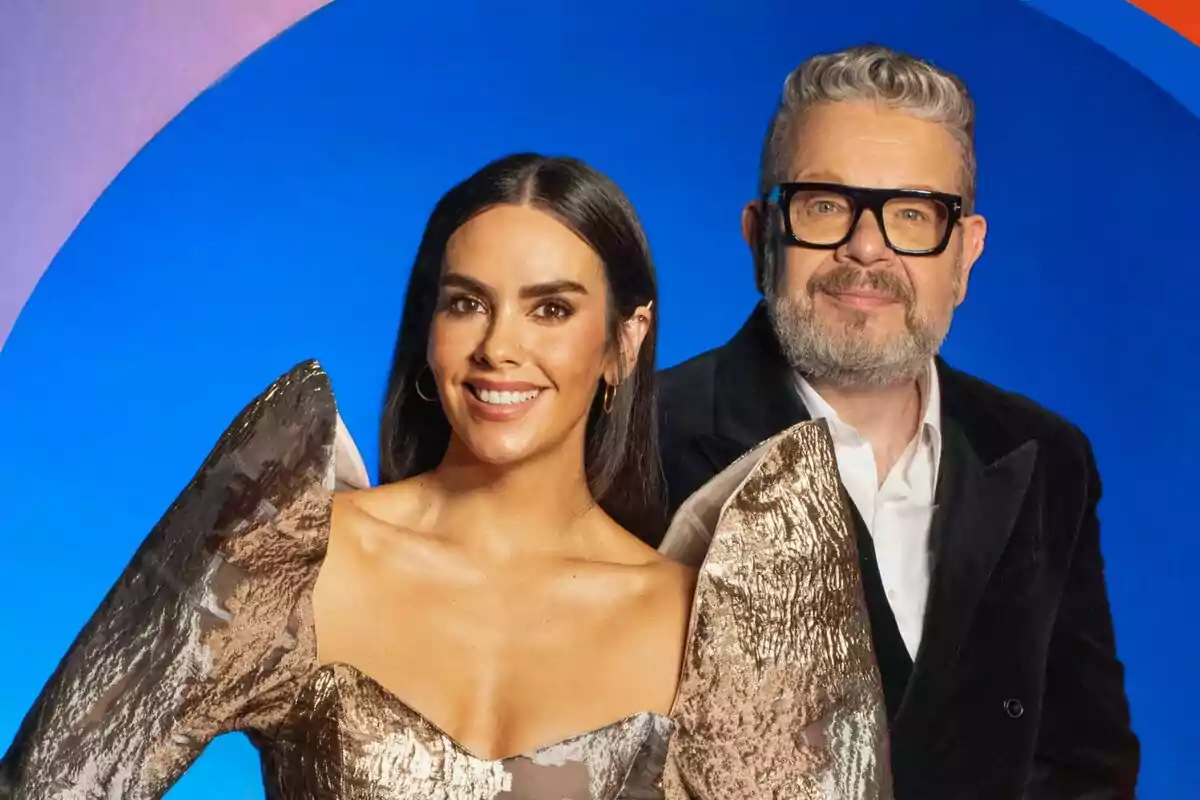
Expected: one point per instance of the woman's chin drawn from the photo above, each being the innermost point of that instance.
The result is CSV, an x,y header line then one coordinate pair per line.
x,y
501,458
501,451
503,445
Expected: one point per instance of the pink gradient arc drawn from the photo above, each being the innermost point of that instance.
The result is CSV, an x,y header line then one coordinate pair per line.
x,y
84,85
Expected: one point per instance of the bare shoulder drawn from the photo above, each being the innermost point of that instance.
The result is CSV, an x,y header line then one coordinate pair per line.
x,y
665,612
674,582
378,522
387,504
663,567
645,631
664,586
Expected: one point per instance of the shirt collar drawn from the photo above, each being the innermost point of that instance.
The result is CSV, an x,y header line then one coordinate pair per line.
x,y
931,421
931,418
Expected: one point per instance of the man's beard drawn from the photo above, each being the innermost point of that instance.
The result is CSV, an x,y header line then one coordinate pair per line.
x,y
840,351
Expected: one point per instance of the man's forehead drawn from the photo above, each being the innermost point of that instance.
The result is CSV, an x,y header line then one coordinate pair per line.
x,y
832,176
864,145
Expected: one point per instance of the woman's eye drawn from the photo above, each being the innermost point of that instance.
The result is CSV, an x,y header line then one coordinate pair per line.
x,y
464,305
553,309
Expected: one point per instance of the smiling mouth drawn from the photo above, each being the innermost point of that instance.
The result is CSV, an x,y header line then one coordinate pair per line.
x,y
493,397
863,299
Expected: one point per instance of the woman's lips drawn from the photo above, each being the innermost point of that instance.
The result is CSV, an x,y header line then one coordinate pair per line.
x,y
496,401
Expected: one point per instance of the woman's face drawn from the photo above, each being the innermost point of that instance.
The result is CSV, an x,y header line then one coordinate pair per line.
x,y
519,340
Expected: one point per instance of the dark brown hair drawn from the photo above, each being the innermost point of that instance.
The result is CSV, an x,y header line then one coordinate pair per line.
x,y
621,456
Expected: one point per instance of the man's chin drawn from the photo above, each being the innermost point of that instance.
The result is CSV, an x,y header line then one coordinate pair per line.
x,y
850,346
866,376
868,335
834,314
860,358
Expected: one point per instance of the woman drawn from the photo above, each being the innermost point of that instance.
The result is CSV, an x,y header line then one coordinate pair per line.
x,y
483,624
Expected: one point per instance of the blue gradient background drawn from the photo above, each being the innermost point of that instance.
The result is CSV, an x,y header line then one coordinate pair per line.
x,y
275,220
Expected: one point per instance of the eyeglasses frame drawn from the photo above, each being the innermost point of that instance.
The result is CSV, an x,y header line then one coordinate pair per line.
x,y
864,199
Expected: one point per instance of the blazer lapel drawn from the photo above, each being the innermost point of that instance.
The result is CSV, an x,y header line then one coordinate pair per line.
x,y
722,452
753,395
978,504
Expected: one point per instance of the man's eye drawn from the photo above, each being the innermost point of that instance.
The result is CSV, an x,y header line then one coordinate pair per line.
x,y
824,206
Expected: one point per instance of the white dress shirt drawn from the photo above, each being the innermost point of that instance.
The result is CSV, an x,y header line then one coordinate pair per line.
x,y
898,513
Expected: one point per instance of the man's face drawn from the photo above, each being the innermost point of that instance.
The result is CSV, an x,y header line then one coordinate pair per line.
x,y
863,316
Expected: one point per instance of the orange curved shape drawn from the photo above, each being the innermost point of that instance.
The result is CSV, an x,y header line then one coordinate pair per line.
x,y
1181,15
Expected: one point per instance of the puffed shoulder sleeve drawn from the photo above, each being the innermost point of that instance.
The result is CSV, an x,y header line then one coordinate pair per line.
x,y
205,631
780,694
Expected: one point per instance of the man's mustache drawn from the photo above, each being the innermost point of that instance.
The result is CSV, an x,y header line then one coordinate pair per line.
x,y
844,279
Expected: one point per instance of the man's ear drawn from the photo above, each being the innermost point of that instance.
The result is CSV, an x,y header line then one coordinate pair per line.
x,y
754,231
974,236
633,334
752,224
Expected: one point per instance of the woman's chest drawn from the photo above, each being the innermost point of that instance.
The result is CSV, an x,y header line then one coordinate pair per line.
x,y
500,670
347,737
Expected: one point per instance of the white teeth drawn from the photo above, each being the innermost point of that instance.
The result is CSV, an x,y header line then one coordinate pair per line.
x,y
505,398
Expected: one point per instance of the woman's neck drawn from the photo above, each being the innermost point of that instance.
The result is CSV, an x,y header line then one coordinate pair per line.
x,y
513,509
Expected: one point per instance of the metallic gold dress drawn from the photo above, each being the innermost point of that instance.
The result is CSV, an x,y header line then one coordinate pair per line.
x,y
210,631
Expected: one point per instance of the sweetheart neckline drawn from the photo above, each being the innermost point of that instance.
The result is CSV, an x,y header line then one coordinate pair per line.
x,y
364,677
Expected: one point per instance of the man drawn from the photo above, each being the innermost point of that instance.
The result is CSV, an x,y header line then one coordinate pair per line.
x,y
975,508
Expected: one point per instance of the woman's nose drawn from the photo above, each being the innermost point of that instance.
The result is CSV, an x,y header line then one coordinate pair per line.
x,y
501,342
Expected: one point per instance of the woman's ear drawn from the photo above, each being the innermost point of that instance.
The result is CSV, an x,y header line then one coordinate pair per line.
x,y
633,333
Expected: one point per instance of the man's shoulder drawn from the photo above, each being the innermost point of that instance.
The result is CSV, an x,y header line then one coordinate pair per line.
x,y
696,373
686,395
1001,418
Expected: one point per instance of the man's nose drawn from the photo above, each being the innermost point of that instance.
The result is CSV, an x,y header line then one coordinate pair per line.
x,y
867,244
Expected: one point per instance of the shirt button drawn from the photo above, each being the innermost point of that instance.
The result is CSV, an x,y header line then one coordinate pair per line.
x,y
1014,708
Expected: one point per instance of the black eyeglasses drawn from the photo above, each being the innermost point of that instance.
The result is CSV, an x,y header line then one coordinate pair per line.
x,y
823,216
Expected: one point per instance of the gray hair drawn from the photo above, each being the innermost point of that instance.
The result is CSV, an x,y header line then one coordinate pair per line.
x,y
871,73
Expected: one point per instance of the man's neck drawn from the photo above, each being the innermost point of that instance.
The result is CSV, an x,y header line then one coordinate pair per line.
x,y
888,417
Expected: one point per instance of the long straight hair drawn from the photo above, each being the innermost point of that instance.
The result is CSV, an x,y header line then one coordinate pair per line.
x,y
621,456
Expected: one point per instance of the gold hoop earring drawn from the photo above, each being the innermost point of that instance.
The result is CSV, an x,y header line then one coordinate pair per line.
x,y
610,395
417,385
